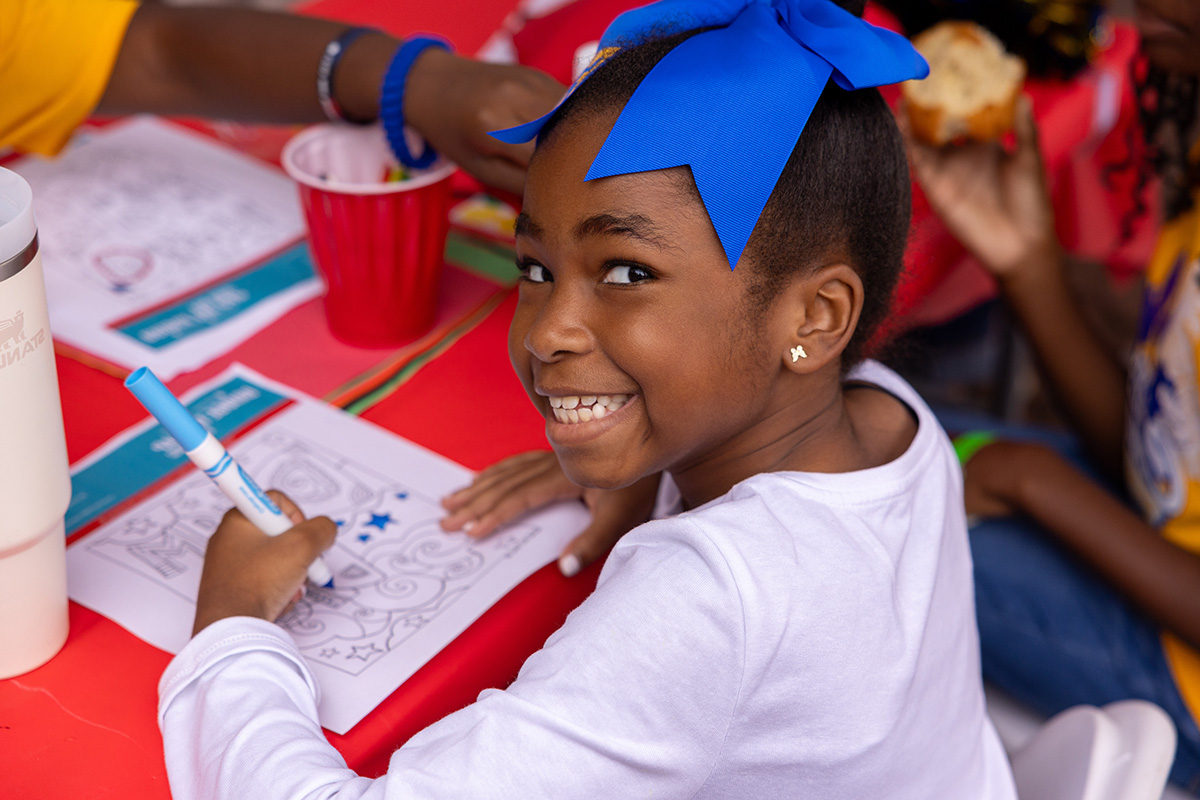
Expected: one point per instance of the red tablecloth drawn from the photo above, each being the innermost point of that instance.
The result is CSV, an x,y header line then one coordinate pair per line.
x,y
83,725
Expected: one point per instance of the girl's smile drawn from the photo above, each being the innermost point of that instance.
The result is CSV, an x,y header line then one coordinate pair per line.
x,y
573,408
575,426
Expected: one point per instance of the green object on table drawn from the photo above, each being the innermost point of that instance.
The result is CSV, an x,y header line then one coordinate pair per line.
x,y
968,444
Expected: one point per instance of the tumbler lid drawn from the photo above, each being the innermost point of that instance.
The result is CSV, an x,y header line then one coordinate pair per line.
x,y
18,231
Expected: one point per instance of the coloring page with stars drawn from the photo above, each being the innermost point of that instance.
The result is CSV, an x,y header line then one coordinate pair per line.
x,y
403,589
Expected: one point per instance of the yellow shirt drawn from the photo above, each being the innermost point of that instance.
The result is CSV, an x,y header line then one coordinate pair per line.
x,y
1162,436
56,57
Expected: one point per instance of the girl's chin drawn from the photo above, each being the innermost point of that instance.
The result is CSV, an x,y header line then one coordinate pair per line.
x,y
594,476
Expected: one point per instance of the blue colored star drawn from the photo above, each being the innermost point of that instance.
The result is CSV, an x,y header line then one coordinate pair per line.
x,y
401,495
339,522
364,537
381,520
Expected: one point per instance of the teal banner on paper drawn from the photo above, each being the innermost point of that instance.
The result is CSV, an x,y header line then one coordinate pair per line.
x,y
153,454
216,304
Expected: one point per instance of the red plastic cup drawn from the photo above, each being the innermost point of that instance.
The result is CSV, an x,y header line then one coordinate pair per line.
x,y
379,245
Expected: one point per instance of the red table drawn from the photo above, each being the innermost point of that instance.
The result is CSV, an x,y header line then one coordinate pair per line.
x,y
84,726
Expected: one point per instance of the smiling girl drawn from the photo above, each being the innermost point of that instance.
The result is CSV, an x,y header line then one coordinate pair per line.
x,y
799,623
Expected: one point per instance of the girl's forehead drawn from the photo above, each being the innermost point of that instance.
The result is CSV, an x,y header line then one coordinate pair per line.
x,y
557,191
660,207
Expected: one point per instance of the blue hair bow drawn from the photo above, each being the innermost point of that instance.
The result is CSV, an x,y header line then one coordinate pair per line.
x,y
731,102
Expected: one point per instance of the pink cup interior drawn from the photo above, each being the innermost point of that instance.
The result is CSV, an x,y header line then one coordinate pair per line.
x,y
353,159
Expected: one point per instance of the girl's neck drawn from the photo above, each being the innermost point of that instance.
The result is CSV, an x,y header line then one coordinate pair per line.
x,y
839,429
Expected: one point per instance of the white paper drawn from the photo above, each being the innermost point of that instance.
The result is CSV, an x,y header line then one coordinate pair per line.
x,y
403,588
144,212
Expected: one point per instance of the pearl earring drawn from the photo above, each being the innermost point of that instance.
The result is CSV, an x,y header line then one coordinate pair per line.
x,y
798,353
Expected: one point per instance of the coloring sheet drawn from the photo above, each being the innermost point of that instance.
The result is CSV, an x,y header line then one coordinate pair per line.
x,y
403,588
152,238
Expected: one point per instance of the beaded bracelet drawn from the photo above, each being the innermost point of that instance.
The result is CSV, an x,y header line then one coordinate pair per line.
x,y
391,100
325,69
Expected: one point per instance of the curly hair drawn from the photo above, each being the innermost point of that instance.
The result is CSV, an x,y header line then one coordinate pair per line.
x,y
1159,145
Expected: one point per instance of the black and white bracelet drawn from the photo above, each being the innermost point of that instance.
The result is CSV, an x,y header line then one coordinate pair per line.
x,y
325,71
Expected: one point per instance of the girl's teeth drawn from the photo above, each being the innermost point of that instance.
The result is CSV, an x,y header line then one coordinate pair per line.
x,y
574,408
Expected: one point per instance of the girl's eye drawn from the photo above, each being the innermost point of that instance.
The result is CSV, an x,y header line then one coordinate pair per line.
x,y
535,273
627,273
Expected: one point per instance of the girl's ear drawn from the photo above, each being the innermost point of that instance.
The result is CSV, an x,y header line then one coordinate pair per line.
x,y
821,310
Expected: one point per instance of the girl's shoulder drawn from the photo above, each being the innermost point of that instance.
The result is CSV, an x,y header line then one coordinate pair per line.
x,y
926,469
797,523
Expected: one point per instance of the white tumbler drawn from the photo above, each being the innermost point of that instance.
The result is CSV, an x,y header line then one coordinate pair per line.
x,y
35,483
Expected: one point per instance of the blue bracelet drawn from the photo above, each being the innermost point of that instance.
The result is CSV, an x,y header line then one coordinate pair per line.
x,y
391,100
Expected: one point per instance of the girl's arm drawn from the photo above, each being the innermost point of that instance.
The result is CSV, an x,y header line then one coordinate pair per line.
x,y
255,65
996,203
1156,576
623,700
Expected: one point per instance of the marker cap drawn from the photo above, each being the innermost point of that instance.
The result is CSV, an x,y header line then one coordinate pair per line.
x,y
166,408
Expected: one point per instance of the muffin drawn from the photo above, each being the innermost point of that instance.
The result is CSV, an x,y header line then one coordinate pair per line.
x,y
972,88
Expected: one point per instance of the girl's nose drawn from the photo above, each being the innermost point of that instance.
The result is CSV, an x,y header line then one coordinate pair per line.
x,y
559,328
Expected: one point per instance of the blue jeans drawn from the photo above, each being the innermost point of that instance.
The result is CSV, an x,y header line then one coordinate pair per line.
x,y
1053,633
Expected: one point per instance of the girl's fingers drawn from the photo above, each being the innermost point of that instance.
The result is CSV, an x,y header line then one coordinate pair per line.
x,y
1029,148
595,541
484,480
289,509
541,480
521,501
614,513
315,536
478,497
509,500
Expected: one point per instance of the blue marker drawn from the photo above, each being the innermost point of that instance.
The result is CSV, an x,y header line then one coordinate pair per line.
x,y
207,453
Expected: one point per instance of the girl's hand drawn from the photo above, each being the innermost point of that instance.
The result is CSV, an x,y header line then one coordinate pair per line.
x,y
455,102
528,481
995,202
250,574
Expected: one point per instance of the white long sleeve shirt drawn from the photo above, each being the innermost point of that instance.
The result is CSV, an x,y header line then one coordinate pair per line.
x,y
804,636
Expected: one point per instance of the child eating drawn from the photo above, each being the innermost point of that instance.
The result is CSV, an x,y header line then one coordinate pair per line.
x,y
802,626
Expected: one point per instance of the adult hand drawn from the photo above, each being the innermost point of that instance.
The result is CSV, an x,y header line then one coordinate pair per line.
x,y
527,481
994,201
248,573
455,102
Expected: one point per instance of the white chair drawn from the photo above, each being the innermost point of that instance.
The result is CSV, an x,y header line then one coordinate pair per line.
x,y
1122,751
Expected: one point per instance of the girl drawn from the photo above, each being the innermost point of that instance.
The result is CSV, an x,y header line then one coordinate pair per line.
x,y
1080,598
802,626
